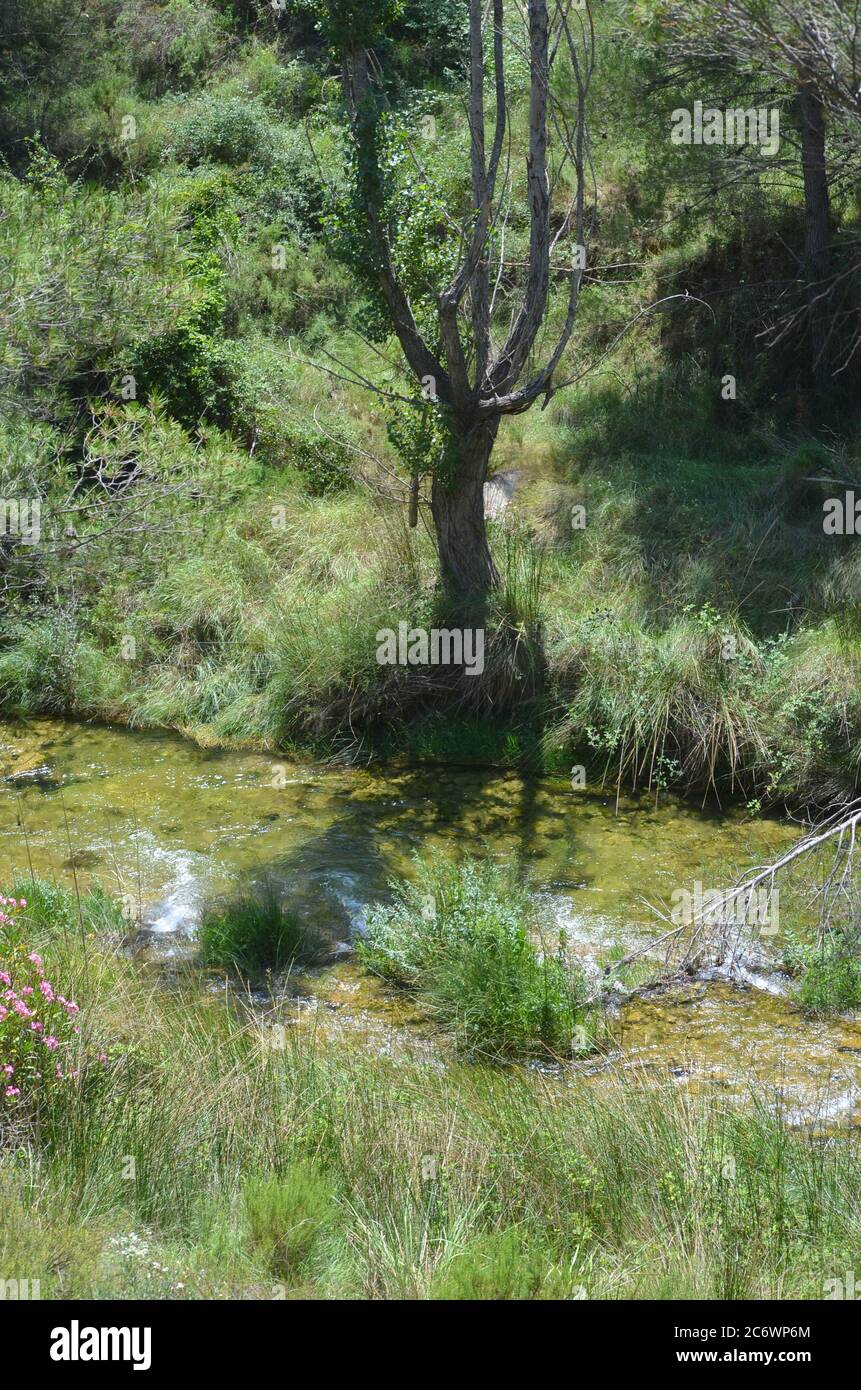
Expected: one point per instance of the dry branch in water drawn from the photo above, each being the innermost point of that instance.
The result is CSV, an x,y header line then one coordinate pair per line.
x,y
713,933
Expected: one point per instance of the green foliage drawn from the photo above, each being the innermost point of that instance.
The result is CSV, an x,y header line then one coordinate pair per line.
x,y
347,25
325,464
288,1217
283,436
52,667
254,931
829,973
380,171
465,940
172,45
220,130
189,366
287,87
48,58
66,239
423,438
494,1267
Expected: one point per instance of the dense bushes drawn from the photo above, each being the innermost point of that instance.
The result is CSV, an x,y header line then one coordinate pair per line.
x,y
170,46
64,239
223,131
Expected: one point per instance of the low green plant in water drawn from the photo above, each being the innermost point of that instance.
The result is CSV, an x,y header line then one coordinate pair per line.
x,y
254,931
466,940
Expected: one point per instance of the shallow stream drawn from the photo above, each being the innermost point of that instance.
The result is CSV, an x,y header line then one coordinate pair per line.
x,y
164,823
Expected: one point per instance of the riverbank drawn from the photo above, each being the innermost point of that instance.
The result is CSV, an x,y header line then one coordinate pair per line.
x,y
183,1156
644,660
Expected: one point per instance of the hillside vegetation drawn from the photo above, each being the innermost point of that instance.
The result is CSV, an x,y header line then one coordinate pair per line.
x,y
224,510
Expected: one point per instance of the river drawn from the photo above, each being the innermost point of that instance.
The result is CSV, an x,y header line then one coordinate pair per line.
x,y
163,824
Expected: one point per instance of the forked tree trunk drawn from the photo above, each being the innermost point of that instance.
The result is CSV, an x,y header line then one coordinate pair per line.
x,y
476,380
457,504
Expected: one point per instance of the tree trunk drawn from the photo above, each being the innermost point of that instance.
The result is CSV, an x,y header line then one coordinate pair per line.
x,y
817,225
457,504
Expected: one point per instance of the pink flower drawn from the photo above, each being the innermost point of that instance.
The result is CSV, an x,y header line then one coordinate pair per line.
x,y
13,1091
47,990
71,1006
51,1043
37,960
7,979
9,1069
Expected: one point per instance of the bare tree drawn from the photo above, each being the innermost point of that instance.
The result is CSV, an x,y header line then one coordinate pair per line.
x,y
477,366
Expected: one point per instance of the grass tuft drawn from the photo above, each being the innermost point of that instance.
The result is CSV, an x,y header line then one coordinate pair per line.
x,y
254,931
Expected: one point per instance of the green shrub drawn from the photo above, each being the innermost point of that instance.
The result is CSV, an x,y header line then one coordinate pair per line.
x,y
465,940
63,238
254,931
290,89
829,974
223,130
287,1216
493,1267
190,366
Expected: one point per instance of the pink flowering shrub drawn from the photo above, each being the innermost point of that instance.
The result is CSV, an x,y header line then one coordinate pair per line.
x,y
38,1024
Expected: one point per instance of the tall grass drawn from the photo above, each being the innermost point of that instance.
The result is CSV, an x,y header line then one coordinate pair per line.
x,y
624,1191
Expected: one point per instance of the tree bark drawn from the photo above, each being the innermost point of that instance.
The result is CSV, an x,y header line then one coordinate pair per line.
x,y
817,225
457,504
